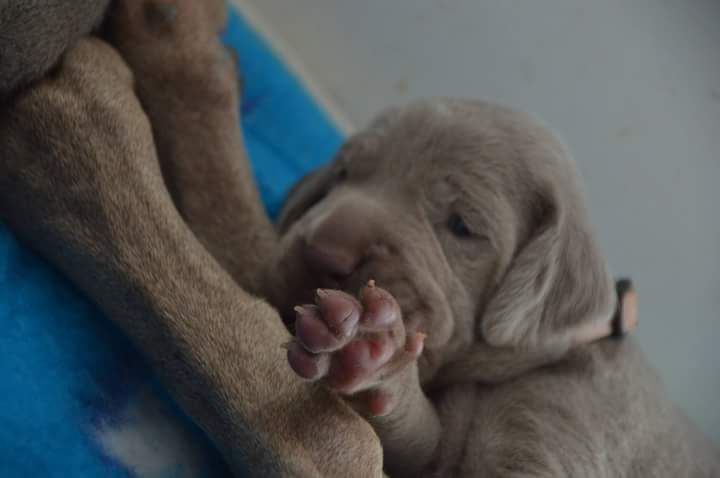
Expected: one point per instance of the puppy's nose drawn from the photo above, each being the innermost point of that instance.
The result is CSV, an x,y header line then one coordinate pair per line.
x,y
339,240
335,262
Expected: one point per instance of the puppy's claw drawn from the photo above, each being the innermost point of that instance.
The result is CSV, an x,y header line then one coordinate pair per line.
x,y
300,310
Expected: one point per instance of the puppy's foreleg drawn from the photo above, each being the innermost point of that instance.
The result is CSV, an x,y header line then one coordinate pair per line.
x,y
360,349
410,430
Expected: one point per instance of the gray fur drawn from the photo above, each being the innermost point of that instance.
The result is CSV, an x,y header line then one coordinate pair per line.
x,y
35,33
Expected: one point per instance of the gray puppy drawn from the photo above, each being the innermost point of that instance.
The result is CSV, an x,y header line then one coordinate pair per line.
x,y
477,357
466,212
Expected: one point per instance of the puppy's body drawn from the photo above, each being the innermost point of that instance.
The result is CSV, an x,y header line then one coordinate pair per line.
x,y
600,412
471,216
35,33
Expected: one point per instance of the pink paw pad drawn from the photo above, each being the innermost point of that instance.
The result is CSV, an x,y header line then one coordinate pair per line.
x,y
353,345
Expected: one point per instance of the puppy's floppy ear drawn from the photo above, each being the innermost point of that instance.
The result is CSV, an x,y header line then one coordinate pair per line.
x,y
303,195
557,291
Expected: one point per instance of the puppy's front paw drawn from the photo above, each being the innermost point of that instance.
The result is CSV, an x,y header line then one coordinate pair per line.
x,y
357,347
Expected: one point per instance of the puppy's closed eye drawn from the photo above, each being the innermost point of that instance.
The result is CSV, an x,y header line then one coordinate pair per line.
x,y
463,230
458,226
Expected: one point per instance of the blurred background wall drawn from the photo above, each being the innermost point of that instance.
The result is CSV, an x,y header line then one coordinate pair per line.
x,y
633,86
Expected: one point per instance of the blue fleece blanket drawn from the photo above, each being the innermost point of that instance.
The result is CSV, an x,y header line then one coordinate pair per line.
x,y
75,398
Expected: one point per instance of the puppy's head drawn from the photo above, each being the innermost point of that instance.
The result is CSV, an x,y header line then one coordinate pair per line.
x,y
469,213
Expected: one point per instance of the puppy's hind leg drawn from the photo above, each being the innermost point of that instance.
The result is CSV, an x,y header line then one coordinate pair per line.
x,y
188,85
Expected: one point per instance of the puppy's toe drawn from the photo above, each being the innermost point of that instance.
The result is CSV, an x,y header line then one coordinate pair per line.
x,y
306,364
380,309
328,326
339,311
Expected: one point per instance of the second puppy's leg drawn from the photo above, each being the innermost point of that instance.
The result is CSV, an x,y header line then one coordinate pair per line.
x,y
188,85
80,182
